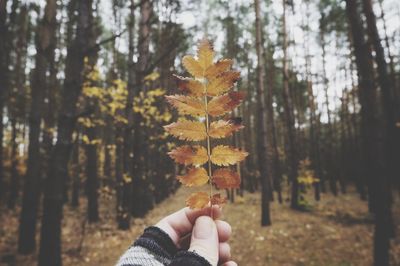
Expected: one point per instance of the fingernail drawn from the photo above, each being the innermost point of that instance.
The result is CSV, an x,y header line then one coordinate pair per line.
x,y
203,227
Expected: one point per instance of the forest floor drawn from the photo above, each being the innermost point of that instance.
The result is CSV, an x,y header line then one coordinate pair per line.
x,y
337,231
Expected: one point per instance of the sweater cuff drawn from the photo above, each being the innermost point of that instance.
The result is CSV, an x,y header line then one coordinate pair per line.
x,y
189,258
157,241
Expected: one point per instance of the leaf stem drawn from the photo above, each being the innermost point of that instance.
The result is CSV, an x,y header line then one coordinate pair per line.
x,y
208,143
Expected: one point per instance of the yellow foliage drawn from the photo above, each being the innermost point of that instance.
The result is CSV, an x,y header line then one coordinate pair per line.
x,y
306,175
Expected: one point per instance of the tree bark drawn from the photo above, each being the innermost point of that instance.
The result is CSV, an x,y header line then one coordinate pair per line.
x,y
265,160
141,196
289,117
44,47
329,138
14,184
390,101
50,245
126,190
372,139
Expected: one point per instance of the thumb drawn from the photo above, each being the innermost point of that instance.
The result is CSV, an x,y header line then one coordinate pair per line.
x,y
205,239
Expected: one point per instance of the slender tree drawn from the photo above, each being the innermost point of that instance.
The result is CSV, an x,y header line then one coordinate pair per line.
x,y
126,188
141,197
264,156
290,123
44,47
4,72
50,245
390,101
373,148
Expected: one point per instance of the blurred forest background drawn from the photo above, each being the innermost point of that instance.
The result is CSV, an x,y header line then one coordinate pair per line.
x,y
83,164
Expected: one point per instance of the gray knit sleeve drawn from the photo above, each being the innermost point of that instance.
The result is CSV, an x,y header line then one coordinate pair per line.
x,y
153,248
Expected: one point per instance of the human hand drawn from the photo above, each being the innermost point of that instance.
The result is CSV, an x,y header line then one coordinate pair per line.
x,y
208,237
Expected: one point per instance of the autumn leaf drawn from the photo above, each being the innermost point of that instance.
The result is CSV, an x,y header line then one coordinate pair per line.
x,y
205,54
193,66
194,177
187,105
191,86
196,155
187,130
222,129
198,200
206,94
226,178
222,83
225,155
225,103
219,67
216,199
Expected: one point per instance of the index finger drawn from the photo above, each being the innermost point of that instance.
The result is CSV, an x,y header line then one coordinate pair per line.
x,y
181,223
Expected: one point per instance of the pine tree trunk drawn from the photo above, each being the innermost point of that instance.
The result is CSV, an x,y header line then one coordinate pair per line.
x,y
329,134
76,180
14,184
44,47
313,136
289,117
142,196
50,245
390,102
265,160
92,177
277,178
372,139
124,217
3,83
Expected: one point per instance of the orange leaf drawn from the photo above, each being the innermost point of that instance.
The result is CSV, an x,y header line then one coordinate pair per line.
x,y
188,155
187,105
205,54
225,155
191,86
222,129
193,66
198,200
219,67
222,83
225,178
187,130
225,103
216,199
194,177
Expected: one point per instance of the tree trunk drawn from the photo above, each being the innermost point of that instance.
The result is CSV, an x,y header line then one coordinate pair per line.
x,y
329,134
92,184
50,245
124,217
142,196
390,103
371,137
289,117
44,47
3,82
265,160
76,178
277,171
14,184
313,136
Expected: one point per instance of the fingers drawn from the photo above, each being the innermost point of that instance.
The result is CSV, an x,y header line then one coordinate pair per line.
x,y
181,223
224,233
230,263
205,239
224,230
224,252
